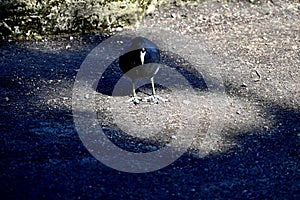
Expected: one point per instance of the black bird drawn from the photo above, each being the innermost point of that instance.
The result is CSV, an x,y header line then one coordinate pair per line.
x,y
141,60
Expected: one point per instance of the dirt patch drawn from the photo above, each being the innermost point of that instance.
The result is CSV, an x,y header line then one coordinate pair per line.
x,y
256,155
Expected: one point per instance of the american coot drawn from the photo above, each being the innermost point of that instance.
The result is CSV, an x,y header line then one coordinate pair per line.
x,y
141,60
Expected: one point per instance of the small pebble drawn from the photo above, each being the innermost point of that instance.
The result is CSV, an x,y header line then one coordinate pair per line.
x,y
119,29
186,102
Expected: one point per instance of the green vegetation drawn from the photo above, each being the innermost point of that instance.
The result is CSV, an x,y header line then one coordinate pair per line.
x,y
33,18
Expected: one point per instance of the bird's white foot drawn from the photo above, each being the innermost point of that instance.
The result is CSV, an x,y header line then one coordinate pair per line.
x,y
135,100
154,99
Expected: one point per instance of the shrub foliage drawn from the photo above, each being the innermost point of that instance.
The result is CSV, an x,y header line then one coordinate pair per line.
x,y
40,17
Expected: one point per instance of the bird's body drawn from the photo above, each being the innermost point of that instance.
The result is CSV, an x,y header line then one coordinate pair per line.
x,y
140,60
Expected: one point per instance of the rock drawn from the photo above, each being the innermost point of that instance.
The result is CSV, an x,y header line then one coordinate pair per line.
x,y
150,9
119,29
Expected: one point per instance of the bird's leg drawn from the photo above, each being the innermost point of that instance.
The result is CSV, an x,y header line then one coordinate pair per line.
x,y
133,88
152,84
135,99
155,98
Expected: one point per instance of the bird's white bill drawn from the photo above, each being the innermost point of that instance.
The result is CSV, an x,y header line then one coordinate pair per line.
x,y
142,56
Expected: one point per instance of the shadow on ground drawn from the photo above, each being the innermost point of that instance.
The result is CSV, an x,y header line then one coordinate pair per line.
x,y
113,73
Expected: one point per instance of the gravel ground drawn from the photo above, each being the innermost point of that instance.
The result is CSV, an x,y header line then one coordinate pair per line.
x,y
256,155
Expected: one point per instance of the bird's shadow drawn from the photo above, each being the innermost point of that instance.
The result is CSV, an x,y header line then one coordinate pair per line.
x,y
113,75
